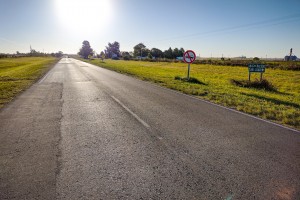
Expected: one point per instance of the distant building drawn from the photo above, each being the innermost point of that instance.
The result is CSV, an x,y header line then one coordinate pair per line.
x,y
290,58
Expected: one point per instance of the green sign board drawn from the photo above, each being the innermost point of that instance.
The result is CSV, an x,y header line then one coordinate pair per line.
x,y
256,68
260,68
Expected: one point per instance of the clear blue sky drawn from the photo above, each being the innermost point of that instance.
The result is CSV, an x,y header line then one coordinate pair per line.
x,y
210,27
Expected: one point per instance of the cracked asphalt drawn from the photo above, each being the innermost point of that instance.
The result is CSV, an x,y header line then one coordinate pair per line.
x,y
84,132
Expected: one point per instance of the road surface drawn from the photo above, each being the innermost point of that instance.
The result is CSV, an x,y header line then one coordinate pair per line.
x,y
83,132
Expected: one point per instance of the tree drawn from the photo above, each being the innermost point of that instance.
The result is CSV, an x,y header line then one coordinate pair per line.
x,y
256,59
59,54
85,50
145,52
102,55
176,53
139,50
126,55
157,53
112,50
168,53
181,51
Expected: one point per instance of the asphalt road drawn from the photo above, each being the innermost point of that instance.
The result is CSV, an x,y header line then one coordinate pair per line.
x,y
83,132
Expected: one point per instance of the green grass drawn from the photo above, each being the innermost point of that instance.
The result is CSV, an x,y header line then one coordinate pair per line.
x,y
281,105
17,74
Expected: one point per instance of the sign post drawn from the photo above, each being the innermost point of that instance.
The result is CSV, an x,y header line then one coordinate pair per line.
x,y
188,74
256,68
189,57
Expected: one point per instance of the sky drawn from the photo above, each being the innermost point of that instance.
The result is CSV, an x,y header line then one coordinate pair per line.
x,y
212,28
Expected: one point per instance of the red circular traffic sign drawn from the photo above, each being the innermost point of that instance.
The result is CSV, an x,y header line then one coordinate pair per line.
x,y
189,56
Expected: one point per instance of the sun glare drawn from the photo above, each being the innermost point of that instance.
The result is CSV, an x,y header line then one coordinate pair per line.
x,y
84,17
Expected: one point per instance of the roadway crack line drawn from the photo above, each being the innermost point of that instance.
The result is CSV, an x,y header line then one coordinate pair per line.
x,y
132,113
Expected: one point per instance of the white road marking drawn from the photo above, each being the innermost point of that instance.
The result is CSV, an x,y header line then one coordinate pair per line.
x,y
46,75
132,113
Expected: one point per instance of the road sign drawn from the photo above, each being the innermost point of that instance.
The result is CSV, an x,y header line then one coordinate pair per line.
x,y
256,68
189,56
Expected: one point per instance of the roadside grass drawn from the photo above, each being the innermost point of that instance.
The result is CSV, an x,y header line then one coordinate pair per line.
x,y
280,104
17,74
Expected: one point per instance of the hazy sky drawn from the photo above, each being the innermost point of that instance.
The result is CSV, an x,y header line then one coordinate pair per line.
x,y
210,27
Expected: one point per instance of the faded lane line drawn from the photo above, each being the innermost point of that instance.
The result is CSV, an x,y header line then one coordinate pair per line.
x,y
45,76
132,113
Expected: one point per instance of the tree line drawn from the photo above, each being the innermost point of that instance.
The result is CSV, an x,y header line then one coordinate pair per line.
x,y
32,53
112,50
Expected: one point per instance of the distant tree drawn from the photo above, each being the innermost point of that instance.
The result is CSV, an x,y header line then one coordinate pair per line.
x,y
176,53
157,53
59,54
102,55
112,50
139,50
145,52
256,59
126,55
85,50
33,52
181,51
94,53
168,53
150,56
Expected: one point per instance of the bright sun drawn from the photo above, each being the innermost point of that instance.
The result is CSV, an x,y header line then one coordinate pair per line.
x,y
84,17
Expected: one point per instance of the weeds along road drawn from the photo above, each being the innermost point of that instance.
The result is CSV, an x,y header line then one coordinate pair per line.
x,y
83,132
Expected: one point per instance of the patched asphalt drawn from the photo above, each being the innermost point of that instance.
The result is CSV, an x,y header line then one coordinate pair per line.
x,y
84,132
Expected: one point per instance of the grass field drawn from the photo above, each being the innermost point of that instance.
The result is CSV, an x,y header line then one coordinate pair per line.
x,y
281,105
17,74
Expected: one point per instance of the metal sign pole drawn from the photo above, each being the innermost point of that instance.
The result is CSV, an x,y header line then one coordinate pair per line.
x,y
188,76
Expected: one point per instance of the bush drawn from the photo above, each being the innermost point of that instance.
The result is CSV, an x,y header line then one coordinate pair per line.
x,y
126,58
264,84
177,78
190,80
